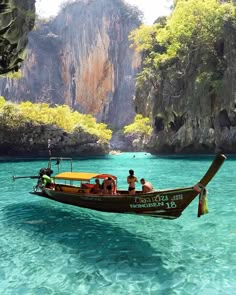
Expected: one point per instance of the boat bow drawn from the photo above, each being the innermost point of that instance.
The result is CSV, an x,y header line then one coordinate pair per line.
x,y
211,172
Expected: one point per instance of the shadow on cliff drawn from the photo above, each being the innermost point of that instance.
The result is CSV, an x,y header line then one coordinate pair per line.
x,y
87,235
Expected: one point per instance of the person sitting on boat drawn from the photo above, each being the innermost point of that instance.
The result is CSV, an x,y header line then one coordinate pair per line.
x,y
97,188
45,178
109,185
47,181
146,186
131,179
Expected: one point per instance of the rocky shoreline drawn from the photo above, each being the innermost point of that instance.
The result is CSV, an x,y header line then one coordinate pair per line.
x,y
33,140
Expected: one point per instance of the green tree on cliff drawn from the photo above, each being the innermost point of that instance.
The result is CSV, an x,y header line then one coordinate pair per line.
x,y
140,127
194,26
16,115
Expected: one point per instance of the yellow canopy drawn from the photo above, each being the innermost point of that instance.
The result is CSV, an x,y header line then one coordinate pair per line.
x,y
76,176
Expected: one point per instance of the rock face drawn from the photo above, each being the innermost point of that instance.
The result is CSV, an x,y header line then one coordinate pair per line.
x,y
32,140
191,114
82,58
16,20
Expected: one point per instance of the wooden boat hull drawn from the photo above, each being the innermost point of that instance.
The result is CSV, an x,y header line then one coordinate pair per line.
x,y
164,203
167,204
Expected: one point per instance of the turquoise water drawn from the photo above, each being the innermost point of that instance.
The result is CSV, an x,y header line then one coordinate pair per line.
x,y
52,248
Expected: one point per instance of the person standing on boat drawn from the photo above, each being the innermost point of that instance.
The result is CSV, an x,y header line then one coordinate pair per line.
x,y
109,186
131,179
146,186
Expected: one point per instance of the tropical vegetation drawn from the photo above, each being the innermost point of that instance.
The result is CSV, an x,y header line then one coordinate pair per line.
x,y
15,115
140,127
193,28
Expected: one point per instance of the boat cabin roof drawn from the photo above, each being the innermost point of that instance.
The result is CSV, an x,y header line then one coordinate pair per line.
x,y
82,176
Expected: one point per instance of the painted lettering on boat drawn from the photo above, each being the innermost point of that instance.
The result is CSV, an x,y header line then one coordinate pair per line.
x,y
168,205
157,198
157,201
146,205
177,197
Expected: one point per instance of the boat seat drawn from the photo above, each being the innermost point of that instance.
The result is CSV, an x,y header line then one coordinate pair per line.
x,y
58,188
87,187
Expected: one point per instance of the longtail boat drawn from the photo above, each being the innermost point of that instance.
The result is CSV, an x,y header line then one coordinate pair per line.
x,y
76,188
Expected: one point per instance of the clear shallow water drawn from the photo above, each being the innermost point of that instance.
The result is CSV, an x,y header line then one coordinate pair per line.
x,y
52,248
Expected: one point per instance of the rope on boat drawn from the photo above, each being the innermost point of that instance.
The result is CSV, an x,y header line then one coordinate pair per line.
x,y
202,204
49,147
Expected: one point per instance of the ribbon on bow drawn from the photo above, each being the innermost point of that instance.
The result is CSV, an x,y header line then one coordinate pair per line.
x,y
202,204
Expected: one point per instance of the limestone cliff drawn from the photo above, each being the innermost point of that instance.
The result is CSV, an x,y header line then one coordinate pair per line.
x,y
16,20
194,109
82,58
